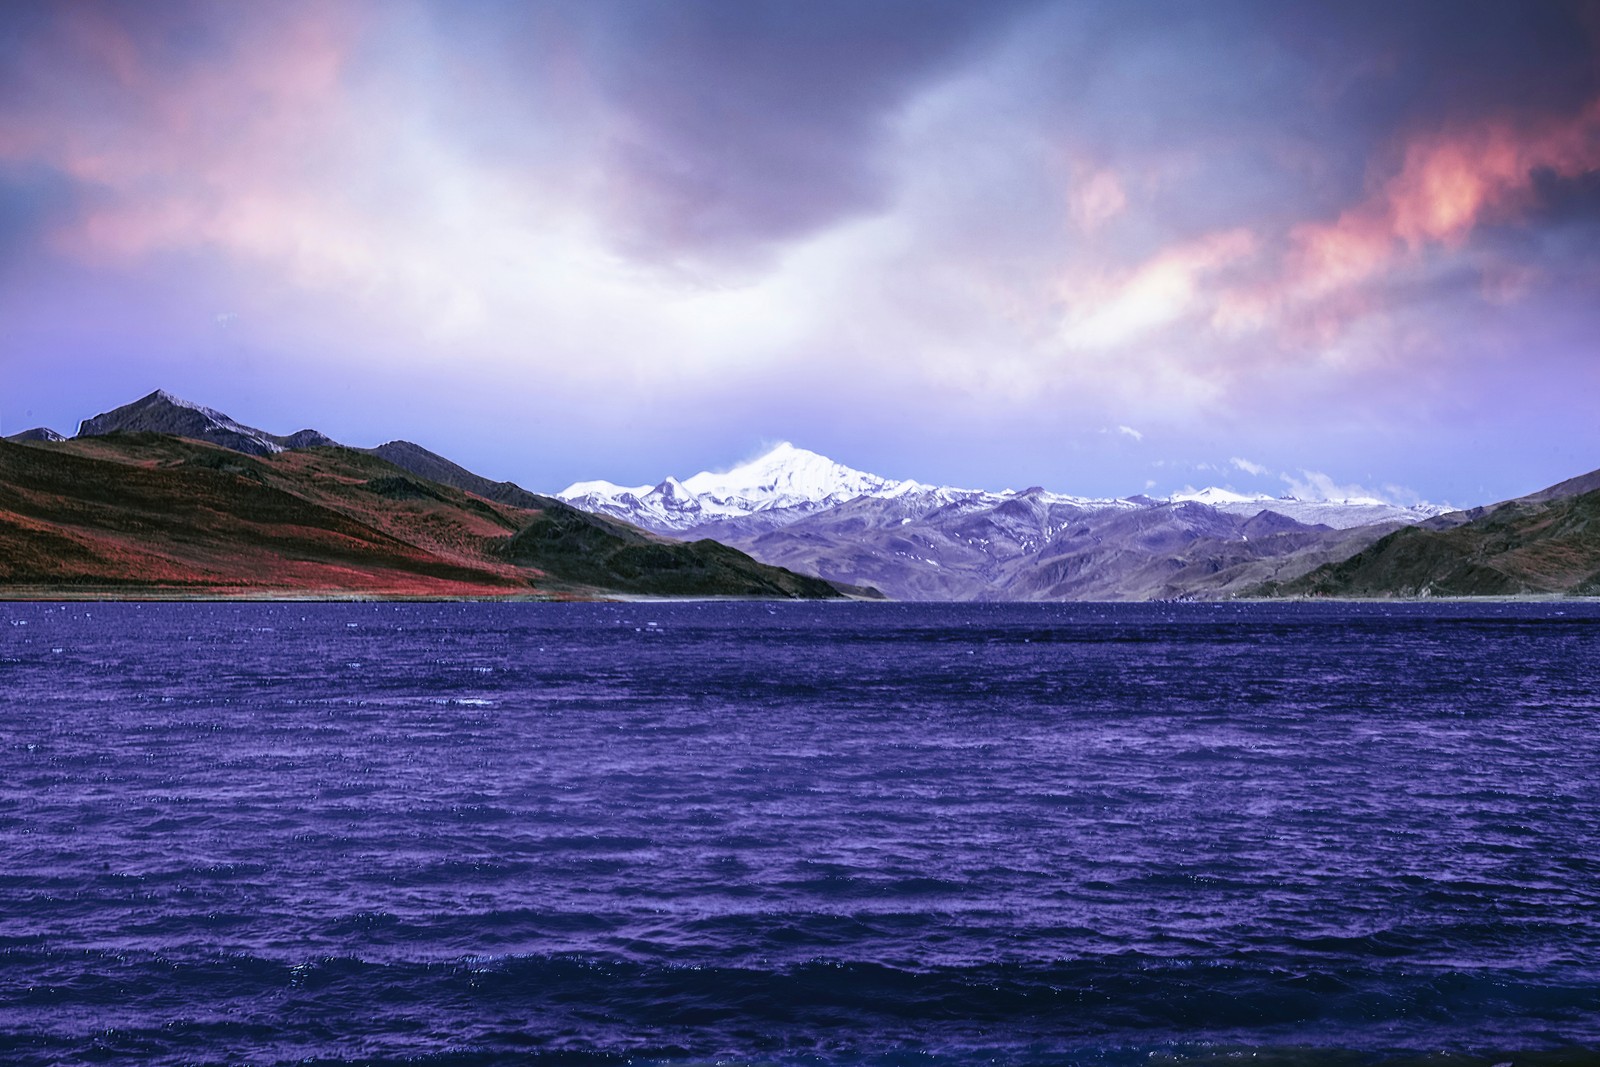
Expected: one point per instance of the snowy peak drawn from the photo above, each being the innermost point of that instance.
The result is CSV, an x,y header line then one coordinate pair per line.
x,y
795,481
1213,496
672,489
786,476
599,487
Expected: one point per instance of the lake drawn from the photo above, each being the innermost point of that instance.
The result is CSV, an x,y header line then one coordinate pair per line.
x,y
799,833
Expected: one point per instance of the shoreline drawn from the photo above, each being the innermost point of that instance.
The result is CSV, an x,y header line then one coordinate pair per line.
x,y
167,596
34,595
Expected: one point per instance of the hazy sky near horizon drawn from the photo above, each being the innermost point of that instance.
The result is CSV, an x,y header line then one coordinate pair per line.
x,y
1103,247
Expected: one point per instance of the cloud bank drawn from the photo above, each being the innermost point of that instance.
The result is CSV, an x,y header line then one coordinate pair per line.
x,y
943,240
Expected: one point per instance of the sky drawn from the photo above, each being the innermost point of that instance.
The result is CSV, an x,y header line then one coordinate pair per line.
x,y
1106,248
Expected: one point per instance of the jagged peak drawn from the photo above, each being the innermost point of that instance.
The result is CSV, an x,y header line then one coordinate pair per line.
x,y
669,488
161,396
162,411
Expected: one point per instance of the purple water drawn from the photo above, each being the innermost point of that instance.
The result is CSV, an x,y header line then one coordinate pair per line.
x,y
812,834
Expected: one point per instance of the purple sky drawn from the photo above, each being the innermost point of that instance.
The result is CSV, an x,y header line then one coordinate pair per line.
x,y
1106,248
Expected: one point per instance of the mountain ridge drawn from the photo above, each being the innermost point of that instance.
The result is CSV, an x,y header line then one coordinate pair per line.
x,y
795,509
1540,544
788,482
162,412
136,503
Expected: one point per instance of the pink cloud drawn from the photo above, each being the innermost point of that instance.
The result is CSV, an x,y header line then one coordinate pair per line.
x,y
1447,184
1097,199
171,148
1163,289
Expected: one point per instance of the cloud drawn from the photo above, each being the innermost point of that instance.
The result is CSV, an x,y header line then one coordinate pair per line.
x,y
1098,199
733,128
1162,290
1400,66
1446,185
1229,226
180,126
1248,467
1315,485
1129,431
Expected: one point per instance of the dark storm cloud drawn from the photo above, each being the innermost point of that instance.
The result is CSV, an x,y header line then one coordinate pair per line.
x,y
1290,107
1393,64
733,126
1562,200
1381,73
763,121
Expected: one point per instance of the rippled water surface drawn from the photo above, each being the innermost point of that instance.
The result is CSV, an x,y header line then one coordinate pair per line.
x,y
818,834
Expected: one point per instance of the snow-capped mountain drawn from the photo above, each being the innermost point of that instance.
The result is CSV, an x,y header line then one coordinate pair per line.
x,y
789,480
783,485
787,476
788,483
798,509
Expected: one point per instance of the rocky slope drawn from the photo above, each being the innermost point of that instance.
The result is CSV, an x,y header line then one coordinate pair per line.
x,y
1026,549
192,516
431,465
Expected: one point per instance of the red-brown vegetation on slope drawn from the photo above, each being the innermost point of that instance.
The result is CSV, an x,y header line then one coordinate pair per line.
x,y
185,516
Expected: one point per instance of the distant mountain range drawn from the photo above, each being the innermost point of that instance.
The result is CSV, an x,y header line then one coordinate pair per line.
x,y
801,510
789,483
165,497
167,494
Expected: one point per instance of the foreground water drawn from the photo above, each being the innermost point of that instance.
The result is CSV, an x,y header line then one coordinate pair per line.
x,y
818,834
